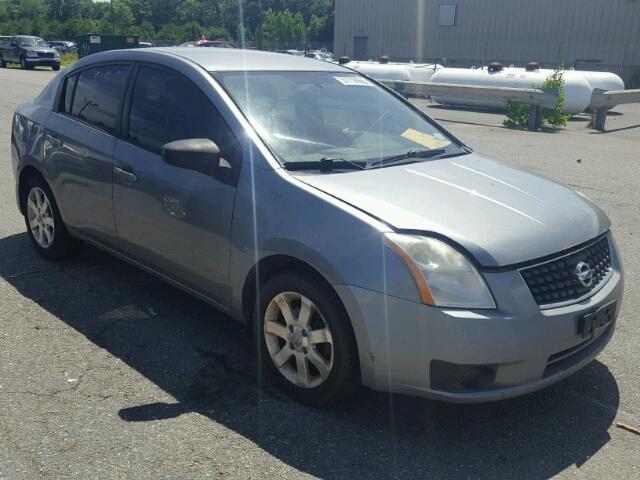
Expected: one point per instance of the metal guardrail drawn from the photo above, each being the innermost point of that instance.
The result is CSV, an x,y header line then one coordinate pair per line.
x,y
602,101
536,98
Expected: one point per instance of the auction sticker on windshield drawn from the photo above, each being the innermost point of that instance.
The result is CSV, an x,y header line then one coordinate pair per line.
x,y
353,81
429,140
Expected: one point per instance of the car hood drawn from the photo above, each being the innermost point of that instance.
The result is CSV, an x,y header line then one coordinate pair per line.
x,y
500,214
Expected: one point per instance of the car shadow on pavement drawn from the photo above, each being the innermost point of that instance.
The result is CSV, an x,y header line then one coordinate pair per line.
x,y
204,359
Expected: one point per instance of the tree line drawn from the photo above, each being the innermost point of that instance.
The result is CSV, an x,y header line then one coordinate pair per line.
x,y
269,24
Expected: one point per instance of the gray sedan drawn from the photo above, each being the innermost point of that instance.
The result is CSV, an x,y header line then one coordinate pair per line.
x,y
362,242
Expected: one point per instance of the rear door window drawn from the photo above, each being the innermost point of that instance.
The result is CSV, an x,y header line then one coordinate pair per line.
x,y
99,94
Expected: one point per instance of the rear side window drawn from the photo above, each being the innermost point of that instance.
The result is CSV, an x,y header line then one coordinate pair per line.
x,y
166,106
98,95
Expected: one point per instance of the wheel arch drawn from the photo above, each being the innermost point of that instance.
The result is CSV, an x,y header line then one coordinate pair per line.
x,y
25,174
269,266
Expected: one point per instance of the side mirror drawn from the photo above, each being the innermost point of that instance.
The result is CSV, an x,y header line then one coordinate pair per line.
x,y
199,154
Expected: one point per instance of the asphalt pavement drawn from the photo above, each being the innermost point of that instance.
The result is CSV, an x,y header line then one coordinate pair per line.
x,y
107,372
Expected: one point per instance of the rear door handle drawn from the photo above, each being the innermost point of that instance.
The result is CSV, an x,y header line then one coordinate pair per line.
x,y
126,175
55,142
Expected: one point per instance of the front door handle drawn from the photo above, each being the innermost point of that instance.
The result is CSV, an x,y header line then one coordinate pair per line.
x,y
55,142
126,175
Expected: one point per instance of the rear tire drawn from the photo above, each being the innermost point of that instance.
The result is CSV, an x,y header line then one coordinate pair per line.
x,y
45,227
312,354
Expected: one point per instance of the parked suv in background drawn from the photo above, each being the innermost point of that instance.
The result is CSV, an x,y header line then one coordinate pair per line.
x,y
29,52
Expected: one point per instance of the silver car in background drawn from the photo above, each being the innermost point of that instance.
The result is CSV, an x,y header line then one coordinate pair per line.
x,y
362,242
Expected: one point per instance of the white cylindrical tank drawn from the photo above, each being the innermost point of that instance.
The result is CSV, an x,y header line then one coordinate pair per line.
x,y
421,72
382,71
413,72
602,80
576,89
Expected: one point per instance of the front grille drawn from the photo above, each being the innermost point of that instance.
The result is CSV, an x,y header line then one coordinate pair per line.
x,y
556,281
45,54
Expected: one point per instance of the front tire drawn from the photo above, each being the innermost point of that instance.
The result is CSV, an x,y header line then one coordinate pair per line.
x,y
55,67
3,64
23,64
44,224
304,339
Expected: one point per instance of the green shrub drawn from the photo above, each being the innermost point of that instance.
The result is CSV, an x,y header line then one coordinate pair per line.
x,y
67,59
518,113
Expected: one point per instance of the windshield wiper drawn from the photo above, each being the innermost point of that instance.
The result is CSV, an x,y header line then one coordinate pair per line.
x,y
452,154
326,165
410,155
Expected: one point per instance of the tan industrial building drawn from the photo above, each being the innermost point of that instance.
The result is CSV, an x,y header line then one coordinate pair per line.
x,y
585,34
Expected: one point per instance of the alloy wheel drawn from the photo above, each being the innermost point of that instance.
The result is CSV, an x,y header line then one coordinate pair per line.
x,y
40,217
298,340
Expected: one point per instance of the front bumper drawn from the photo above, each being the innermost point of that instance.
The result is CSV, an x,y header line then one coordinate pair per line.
x,y
42,62
526,347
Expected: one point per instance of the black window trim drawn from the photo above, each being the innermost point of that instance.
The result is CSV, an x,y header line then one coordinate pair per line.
x,y
126,106
59,107
63,96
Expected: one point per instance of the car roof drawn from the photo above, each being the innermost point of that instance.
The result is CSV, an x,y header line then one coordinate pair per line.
x,y
234,59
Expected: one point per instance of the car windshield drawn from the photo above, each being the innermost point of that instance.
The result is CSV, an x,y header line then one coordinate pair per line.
x,y
309,116
32,42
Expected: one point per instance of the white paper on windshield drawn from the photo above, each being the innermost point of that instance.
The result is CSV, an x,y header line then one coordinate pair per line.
x,y
353,81
429,140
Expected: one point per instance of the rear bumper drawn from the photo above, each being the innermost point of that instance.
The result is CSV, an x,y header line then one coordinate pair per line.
x,y
526,348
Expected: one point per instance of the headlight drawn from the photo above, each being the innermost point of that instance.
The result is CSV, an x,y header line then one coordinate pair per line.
x,y
445,278
32,54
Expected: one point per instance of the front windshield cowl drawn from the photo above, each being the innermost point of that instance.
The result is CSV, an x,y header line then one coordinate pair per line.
x,y
304,116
